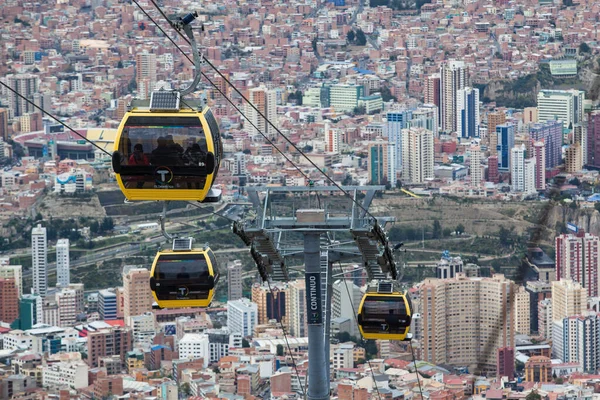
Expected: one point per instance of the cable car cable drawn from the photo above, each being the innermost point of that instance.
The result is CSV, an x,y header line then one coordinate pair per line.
x,y
288,345
217,87
356,320
253,106
54,118
412,350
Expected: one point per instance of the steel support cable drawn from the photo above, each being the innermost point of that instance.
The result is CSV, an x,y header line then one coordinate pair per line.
x,y
54,118
253,107
216,87
412,350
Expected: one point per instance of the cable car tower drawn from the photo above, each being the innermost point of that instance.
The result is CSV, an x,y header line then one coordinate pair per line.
x,y
322,226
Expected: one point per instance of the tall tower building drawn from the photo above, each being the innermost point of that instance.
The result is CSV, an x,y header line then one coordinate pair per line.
x,y
467,112
432,90
270,302
580,136
396,122
380,169
578,258
506,141
264,100
522,311
573,158
136,293
550,133
475,169
3,124
296,308
342,306
454,75
67,307
517,168
30,311
9,300
63,273
568,298
563,105
493,120
108,342
13,272
493,174
39,257
529,176
107,304
242,317
472,336
234,280
544,318
593,139
417,155
539,155
27,85
332,139
145,68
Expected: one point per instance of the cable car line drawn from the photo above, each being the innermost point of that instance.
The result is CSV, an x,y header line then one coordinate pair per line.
x,y
54,118
254,107
218,88
412,350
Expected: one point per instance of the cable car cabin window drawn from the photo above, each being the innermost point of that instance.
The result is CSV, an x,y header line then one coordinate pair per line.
x,y
163,153
385,314
182,276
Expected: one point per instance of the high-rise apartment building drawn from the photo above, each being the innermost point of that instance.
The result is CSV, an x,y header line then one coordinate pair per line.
x,y
242,316
580,338
342,306
39,259
432,90
67,299
530,115
4,124
506,141
25,84
550,133
9,300
381,162
13,272
475,169
467,112
454,76
522,311
573,158
62,263
577,258
517,168
107,304
427,117
529,177
270,302
538,291
418,157
145,68
593,139
396,122
265,100
563,105
493,173
493,120
539,155
107,343
296,308
580,137
544,318
234,280
471,336
568,298
136,293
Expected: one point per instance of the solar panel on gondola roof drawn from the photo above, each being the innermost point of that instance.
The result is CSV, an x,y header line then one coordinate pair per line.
x,y
182,244
164,100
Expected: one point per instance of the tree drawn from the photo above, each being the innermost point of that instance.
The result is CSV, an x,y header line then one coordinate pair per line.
x,y
350,36
185,389
361,39
398,184
505,236
460,229
120,64
437,230
533,396
371,349
280,350
386,94
245,344
584,48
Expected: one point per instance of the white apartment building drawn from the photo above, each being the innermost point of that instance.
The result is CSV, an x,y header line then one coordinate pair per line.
x,y
417,155
564,105
242,316
66,301
62,263
343,357
517,168
475,170
39,256
144,328
342,306
65,374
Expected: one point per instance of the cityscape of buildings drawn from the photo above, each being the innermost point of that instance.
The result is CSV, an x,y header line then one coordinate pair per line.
x,y
486,99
